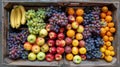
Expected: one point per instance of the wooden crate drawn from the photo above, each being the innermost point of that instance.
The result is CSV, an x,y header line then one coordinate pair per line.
x,y
7,6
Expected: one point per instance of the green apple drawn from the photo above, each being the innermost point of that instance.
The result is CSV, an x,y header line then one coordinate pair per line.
x,y
75,25
77,59
45,48
43,33
80,29
41,56
31,38
32,56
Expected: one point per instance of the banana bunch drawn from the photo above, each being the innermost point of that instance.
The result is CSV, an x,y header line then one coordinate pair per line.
x,y
17,16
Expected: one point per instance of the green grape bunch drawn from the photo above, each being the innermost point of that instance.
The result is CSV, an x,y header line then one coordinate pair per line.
x,y
35,20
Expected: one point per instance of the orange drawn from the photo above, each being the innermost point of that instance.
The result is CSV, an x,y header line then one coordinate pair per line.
x,y
107,52
111,38
107,28
70,33
110,48
105,9
108,18
79,11
108,43
103,55
109,13
75,50
69,56
102,49
71,11
102,34
109,33
103,15
112,30
111,24
79,19
105,38
108,58
79,36
112,53
103,31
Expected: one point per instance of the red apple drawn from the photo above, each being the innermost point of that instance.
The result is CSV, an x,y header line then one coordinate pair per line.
x,y
60,50
71,18
58,57
68,40
48,27
60,43
68,49
83,56
51,42
61,36
52,50
68,27
49,57
62,30
27,46
52,35
81,43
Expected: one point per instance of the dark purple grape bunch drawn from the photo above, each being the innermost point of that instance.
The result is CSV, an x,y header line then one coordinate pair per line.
x,y
50,10
92,46
59,18
15,44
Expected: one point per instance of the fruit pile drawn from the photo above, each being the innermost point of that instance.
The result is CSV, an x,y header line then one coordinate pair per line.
x,y
84,33
107,32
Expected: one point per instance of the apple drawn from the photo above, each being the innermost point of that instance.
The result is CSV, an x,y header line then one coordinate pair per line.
x,y
68,27
43,33
52,35
61,36
27,46
32,56
51,42
75,25
77,59
81,43
58,57
45,48
52,50
80,29
35,48
48,26
60,50
83,56
41,56
60,43
71,18
40,41
68,49
68,40
31,38
49,57
62,30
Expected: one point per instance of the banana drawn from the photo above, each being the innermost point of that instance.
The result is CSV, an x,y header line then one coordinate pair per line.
x,y
12,18
23,19
18,17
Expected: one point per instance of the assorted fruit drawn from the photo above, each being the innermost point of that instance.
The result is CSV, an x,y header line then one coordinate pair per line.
x,y
84,33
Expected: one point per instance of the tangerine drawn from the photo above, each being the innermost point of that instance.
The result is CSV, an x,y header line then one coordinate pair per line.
x,y
70,33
